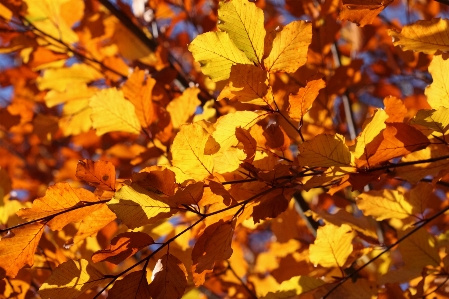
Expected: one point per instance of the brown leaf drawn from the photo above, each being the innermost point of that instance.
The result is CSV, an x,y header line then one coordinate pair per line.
x,y
169,278
249,143
8,120
276,137
100,174
134,285
123,246
213,245
156,179
270,208
189,195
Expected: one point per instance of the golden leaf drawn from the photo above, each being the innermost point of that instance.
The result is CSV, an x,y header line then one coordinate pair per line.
x,y
216,54
332,246
325,150
384,204
295,286
244,22
423,36
301,102
111,112
183,107
437,92
100,174
362,12
70,279
435,120
289,50
65,79
18,247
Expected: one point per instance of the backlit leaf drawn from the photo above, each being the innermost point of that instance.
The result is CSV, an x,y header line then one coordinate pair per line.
x,y
325,150
63,201
436,120
100,174
217,54
270,208
295,286
134,285
419,249
301,102
123,246
423,36
289,49
244,22
362,12
70,279
384,204
136,206
111,112
18,247
169,278
183,107
64,79
437,92
213,245
332,246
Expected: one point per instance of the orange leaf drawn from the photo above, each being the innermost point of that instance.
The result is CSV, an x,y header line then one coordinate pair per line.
x,y
17,248
397,139
122,247
134,285
63,201
213,245
276,137
362,12
156,179
395,109
301,102
169,280
270,208
139,92
100,174
189,195
249,143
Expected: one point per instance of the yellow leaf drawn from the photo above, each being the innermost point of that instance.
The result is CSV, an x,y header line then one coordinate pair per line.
x,y
362,12
228,160
5,13
437,93
76,117
247,84
436,120
65,79
226,125
139,92
18,247
135,206
133,285
290,47
169,278
423,36
295,286
79,92
216,54
189,159
244,22
301,102
183,107
61,199
419,249
371,128
111,112
384,204
332,246
325,150
208,114
70,279
357,289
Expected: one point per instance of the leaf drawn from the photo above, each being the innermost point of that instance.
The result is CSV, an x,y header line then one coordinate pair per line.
x,y
64,79
249,143
270,208
213,245
111,112
384,204
362,12
62,201
17,248
100,174
332,246
423,36
295,286
436,120
139,91
135,206
289,50
189,195
156,179
169,278
189,159
247,84
419,249
395,109
134,285
122,247
225,127
70,279
244,22
397,139
183,107
437,92
301,102
216,54
325,150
